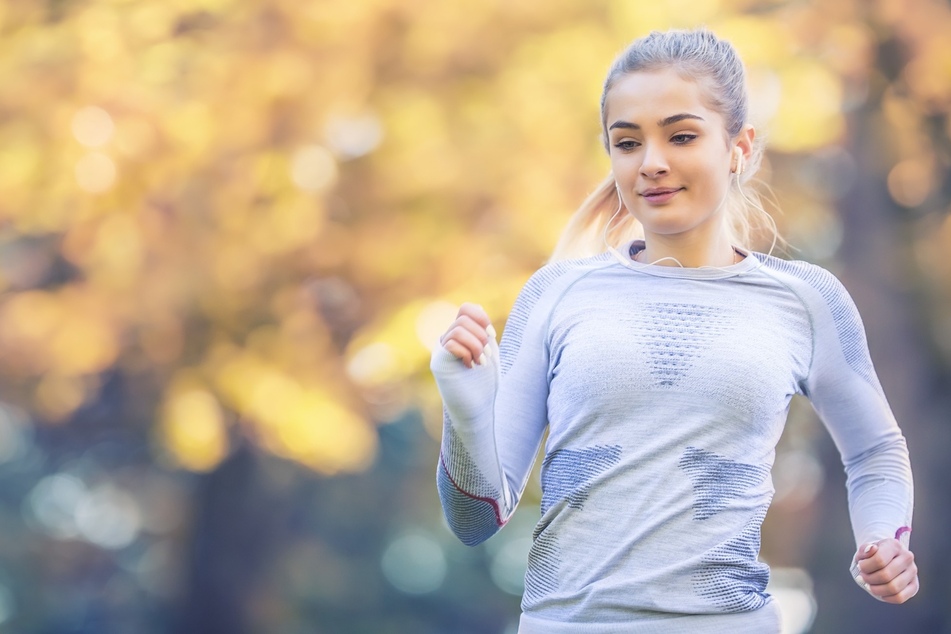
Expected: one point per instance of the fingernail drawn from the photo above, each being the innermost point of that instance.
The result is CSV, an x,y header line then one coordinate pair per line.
x,y
868,548
491,331
488,351
482,359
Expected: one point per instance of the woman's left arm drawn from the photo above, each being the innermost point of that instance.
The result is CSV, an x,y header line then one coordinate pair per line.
x,y
844,388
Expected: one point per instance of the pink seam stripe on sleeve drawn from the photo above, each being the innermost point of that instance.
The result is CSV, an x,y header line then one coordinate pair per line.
x,y
495,505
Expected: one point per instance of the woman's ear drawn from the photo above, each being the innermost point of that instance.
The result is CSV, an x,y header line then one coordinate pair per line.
x,y
744,140
742,149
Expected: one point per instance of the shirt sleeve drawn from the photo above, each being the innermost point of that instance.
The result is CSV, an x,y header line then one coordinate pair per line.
x,y
845,391
494,417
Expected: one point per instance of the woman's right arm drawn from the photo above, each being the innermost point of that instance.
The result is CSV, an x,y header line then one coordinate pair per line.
x,y
495,412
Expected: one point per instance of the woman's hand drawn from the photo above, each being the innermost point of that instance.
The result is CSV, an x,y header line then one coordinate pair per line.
x,y
467,338
888,570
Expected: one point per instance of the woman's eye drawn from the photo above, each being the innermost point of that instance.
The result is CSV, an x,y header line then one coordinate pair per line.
x,y
681,139
626,146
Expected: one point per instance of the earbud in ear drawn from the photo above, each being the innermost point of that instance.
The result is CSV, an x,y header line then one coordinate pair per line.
x,y
738,161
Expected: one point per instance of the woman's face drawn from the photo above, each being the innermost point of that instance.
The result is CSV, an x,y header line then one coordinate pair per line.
x,y
669,154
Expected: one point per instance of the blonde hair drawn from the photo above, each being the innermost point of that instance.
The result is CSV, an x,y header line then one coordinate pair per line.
x,y
700,56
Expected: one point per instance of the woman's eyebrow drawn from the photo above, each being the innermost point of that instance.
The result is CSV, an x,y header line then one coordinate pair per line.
x,y
677,118
663,123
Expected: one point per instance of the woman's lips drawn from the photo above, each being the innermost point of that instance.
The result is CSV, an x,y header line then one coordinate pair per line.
x,y
659,196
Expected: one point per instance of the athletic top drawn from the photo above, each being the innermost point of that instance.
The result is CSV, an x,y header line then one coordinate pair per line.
x,y
665,391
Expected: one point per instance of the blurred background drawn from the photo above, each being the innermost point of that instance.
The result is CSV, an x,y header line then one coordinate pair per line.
x,y
230,231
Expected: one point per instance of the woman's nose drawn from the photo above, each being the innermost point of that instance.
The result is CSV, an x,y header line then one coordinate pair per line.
x,y
654,163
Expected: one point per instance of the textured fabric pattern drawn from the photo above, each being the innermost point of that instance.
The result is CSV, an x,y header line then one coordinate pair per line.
x,y
848,322
732,578
472,519
679,333
664,392
471,502
567,474
465,474
541,575
718,480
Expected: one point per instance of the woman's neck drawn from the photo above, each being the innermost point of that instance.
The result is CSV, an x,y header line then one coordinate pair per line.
x,y
689,252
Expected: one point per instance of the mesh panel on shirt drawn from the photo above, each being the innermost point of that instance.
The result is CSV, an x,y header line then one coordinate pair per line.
x,y
567,474
717,480
732,578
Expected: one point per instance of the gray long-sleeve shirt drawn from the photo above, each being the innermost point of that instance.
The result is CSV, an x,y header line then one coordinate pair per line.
x,y
665,391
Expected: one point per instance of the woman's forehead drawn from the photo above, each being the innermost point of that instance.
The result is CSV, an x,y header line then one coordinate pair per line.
x,y
652,96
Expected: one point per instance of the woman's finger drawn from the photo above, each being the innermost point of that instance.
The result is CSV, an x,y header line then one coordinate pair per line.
x,y
875,556
476,313
471,325
459,351
900,563
469,335
466,345
899,589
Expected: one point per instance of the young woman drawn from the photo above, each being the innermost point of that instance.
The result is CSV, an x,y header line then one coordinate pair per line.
x,y
663,369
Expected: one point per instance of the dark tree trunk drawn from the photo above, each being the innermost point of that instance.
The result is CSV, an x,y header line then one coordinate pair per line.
x,y
236,525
